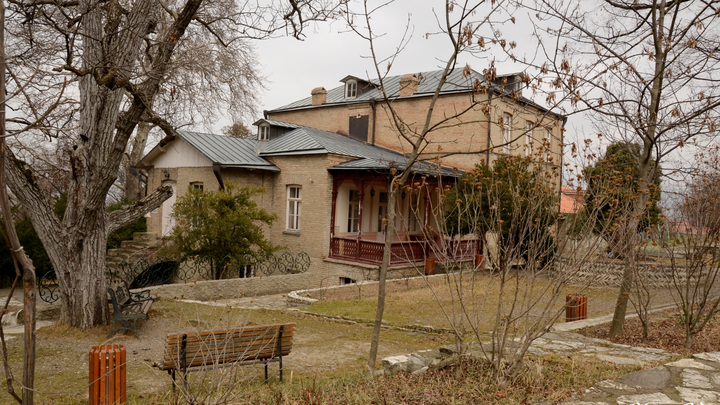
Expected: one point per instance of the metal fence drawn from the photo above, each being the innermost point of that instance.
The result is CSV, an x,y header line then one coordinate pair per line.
x,y
148,272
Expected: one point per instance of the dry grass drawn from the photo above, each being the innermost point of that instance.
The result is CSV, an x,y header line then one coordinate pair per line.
x,y
415,303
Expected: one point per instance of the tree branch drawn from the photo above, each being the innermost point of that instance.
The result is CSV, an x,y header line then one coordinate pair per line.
x,y
131,213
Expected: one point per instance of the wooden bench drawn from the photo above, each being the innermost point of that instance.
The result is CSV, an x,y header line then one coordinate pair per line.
x,y
227,348
128,307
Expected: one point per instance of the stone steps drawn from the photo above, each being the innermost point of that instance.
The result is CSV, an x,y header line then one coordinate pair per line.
x,y
142,244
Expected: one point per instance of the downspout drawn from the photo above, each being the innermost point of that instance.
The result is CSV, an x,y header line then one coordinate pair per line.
x,y
218,175
372,106
487,145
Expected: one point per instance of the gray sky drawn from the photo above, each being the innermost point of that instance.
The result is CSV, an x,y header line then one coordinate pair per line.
x,y
331,51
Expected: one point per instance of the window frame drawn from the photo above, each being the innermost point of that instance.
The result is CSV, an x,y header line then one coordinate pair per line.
x,y
529,129
507,132
263,133
197,185
351,87
293,221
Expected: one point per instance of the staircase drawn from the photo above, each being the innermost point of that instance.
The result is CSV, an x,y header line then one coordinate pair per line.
x,y
142,245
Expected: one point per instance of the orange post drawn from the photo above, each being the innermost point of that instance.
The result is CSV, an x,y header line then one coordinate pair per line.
x,y
479,261
429,266
575,307
108,383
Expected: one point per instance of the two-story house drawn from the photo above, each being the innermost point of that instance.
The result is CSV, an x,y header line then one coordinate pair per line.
x,y
326,162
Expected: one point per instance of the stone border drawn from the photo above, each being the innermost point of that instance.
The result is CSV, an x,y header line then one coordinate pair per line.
x,y
295,299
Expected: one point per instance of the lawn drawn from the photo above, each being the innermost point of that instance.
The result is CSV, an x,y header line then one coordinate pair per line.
x,y
415,302
328,358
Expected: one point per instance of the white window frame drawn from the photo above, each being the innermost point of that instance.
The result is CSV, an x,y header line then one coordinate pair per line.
x,y
547,141
198,185
351,89
293,211
263,132
507,132
353,225
529,127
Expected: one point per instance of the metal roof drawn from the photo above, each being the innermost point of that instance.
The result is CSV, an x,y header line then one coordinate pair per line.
x,y
249,152
227,151
305,140
456,82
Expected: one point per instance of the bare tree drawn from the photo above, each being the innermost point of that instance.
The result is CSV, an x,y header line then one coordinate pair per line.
x,y
93,51
695,261
645,71
467,26
19,256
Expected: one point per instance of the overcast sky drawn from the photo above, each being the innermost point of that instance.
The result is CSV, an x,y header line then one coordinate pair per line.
x,y
331,51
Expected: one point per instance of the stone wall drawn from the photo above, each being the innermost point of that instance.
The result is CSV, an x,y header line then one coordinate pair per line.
x,y
609,273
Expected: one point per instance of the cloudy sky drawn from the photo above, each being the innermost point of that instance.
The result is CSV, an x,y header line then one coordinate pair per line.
x,y
332,51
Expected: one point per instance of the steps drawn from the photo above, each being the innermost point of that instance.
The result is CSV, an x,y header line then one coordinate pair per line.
x,y
143,244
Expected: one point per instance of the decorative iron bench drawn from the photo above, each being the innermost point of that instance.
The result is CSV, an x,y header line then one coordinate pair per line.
x,y
227,348
128,307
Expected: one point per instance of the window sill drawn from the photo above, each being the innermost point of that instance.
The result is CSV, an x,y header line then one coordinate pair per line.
x,y
292,232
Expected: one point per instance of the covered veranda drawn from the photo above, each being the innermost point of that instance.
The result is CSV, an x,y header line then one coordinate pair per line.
x,y
359,219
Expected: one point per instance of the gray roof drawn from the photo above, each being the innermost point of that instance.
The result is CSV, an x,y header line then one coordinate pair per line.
x,y
305,140
456,82
227,151
249,152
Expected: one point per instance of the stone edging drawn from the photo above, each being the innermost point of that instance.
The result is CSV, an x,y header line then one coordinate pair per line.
x,y
294,298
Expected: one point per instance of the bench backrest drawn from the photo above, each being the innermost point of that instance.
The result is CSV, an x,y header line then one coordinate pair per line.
x,y
121,292
227,346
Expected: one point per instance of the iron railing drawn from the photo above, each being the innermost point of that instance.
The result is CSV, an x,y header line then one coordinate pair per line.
x,y
147,272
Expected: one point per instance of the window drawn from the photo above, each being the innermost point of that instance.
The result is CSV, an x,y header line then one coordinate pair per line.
x,y
294,199
346,280
263,133
507,132
350,89
546,143
382,211
197,185
528,137
353,211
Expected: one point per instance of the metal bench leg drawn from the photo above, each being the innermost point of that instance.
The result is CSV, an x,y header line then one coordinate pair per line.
x,y
266,373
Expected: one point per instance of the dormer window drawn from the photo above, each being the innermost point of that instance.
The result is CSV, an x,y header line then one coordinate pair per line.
x,y
351,89
263,133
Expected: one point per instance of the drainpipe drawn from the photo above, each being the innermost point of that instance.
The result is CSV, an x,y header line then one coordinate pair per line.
x,y
487,145
218,175
372,106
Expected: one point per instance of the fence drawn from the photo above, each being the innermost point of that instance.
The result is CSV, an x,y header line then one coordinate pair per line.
x,y
161,270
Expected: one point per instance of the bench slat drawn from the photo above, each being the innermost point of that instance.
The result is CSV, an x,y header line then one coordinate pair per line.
x,y
255,330
227,346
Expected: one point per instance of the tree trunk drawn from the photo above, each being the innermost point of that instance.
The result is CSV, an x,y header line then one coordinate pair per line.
x,y
382,278
30,290
133,188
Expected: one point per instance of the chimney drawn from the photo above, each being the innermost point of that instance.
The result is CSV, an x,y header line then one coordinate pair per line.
x,y
408,85
319,95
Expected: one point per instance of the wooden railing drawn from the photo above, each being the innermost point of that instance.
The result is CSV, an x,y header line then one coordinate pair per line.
x,y
366,251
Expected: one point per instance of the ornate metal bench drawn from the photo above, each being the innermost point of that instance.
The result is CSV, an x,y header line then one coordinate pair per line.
x,y
227,348
128,307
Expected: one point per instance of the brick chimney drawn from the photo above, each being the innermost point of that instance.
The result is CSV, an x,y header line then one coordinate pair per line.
x,y
319,95
408,85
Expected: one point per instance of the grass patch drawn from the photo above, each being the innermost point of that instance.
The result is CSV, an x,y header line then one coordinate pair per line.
x,y
415,303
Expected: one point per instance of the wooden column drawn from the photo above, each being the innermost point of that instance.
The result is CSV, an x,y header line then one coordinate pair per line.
x,y
361,194
426,221
333,208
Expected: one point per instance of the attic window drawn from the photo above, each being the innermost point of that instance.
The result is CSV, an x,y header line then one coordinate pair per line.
x,y
263,133
351,89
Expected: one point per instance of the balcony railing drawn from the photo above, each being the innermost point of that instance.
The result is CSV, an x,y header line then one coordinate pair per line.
x,y
402,252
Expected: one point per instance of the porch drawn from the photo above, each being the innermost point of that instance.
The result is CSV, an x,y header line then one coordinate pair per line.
x,y
359,222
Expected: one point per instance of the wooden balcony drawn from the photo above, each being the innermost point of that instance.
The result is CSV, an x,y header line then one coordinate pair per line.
x,y
403,252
